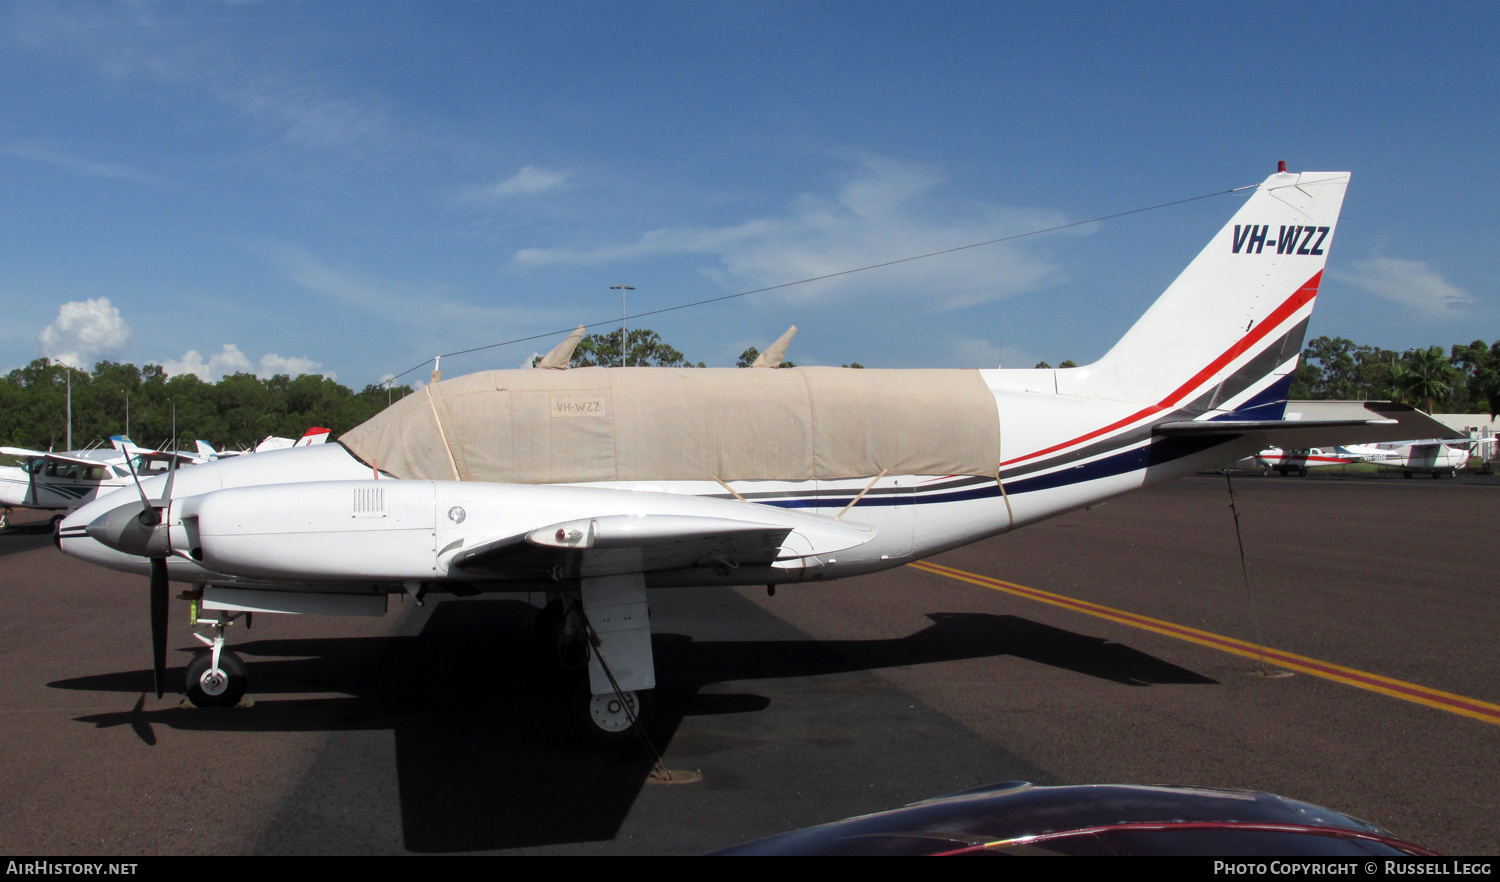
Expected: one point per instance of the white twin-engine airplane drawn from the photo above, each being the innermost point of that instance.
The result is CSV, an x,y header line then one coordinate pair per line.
x,y
596,484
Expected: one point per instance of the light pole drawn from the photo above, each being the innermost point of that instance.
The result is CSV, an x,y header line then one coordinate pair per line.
x,y
68,445
622,289
127,414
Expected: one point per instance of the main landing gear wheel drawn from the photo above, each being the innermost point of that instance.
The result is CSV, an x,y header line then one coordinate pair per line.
x,y
605,721
223,686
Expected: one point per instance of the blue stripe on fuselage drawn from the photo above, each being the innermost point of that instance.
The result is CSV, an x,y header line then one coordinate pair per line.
x,y
1158,452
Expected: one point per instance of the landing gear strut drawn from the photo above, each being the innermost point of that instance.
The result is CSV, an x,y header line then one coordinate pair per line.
x,y
216,676
600,636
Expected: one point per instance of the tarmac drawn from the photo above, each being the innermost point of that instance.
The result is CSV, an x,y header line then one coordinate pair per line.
x,y
1072,651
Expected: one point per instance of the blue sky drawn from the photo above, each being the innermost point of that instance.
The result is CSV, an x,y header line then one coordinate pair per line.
x,y
354,187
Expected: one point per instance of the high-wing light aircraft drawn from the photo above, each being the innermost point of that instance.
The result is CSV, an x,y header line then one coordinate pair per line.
x,y
1436,456
64,481
1287,461
596,484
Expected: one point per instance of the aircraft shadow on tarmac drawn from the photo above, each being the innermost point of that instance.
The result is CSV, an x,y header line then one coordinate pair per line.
x,y
485,757
17,538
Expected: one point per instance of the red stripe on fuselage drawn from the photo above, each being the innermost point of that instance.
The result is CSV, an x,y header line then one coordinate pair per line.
x,y
1299,299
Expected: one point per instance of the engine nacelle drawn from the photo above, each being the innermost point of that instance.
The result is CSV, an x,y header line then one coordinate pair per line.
x,y
400,531
331,530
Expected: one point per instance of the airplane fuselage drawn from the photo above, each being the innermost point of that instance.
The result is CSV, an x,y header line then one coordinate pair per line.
x,y
308,534
56,486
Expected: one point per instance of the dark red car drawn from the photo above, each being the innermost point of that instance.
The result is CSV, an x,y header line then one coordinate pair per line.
x,y
1018,818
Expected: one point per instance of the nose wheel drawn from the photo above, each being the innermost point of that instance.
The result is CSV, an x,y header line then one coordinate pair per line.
x,y
220,683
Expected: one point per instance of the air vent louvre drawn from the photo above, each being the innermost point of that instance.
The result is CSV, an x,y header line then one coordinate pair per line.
x,y
369,502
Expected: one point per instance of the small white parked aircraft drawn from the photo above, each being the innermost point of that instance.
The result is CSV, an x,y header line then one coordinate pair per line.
x,y
1438,457
1288,461
64,481
1435,456
595,484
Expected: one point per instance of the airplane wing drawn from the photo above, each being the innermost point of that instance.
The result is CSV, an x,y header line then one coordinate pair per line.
x,y
273,442
1320,424
631,543
55,457
21,451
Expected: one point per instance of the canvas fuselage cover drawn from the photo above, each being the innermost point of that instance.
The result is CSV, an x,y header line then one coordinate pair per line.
x,y
685,424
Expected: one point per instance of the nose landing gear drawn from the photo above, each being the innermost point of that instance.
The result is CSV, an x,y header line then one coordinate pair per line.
x,y
215,676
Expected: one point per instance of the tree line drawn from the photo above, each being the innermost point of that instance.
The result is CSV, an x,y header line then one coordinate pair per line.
x,y
241,409
234,413
1464,379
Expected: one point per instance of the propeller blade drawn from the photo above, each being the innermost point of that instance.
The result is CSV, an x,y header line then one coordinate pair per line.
x,y
159,622
145,503
166,494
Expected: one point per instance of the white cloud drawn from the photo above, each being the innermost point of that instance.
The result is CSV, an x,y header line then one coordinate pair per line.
x,y
308,116
399,304
882,213
231,360
272,364
1408,282
61,159
289,95
528,180
84,331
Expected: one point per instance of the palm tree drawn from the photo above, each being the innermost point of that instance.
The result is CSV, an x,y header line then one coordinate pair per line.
x,y
1428,375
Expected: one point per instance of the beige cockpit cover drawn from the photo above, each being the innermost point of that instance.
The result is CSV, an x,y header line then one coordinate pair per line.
x,y
669,424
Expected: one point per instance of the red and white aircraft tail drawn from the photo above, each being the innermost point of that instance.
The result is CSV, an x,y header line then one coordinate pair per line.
x,y
312,436
1231,326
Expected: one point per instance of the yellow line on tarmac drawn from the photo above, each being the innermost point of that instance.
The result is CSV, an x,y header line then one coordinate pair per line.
x,y
1447,701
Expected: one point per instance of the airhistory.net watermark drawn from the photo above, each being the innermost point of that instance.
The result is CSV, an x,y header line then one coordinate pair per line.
x,y
67,868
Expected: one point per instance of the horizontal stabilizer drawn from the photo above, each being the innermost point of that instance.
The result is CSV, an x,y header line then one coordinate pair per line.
x,y
1320,424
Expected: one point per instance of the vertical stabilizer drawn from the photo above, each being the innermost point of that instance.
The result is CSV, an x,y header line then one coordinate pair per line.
x,y
1226,334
